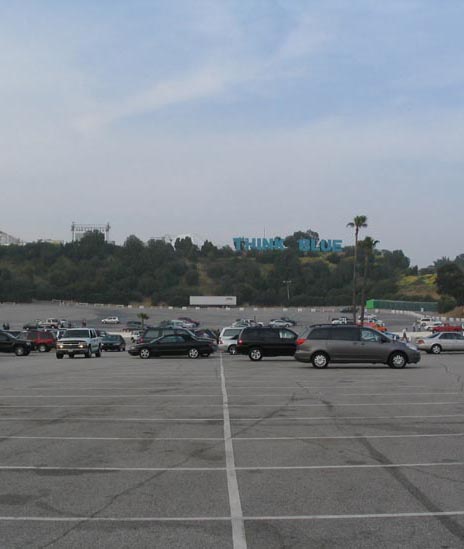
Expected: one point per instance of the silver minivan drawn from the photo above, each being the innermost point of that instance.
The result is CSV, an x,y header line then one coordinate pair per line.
x,y
353,344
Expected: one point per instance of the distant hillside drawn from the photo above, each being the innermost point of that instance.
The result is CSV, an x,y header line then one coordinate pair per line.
x,y
94,271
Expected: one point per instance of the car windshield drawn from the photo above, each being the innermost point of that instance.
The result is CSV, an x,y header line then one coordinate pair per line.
x,y
76,333
112,338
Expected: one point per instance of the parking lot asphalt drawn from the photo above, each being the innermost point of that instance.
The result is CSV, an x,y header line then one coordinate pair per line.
x,y
225,453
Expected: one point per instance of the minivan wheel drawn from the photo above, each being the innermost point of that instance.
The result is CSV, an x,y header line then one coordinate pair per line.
x,y
397,360
436,349
193,353
59,355
232,349
145,353
320,360
255,354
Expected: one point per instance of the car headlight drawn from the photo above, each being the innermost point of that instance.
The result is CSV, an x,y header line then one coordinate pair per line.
x,y
60,345
82,345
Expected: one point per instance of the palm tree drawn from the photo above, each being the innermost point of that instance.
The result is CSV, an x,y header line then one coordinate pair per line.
x,y
359,222
368,245
143,317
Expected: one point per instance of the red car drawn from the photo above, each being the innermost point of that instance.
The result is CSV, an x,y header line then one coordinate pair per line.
x,y
41,340
447,328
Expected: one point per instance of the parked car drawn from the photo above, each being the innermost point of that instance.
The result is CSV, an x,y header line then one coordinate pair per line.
x,y
110,320
353,344
279,323
158,331
14,333
228,338
258,342
174,344
282,322
447,328
342,320
133,325
10,344
113,342
441,342
205,333
189,320
79,341
40,340
31,325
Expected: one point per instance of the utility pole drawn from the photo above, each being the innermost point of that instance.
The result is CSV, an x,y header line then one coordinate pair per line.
x,y
287,283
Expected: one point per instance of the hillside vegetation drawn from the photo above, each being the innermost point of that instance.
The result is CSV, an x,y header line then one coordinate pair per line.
x,y
94,271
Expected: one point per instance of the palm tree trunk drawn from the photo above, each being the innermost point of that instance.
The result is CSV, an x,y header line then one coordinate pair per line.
x,y
363,291
355,273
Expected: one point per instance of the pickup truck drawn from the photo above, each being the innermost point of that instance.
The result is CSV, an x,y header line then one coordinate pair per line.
x,y
79,341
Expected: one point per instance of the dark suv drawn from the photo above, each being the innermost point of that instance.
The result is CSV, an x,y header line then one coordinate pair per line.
x,y
10,344
258,342
345,344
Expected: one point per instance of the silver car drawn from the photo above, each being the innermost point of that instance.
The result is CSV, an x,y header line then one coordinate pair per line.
x,y
228,339
327,343
441,342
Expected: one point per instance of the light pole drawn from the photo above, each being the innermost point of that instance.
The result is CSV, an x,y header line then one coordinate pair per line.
x,y
287,283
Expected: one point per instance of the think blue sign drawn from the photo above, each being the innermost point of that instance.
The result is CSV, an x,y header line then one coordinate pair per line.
x,y
304,244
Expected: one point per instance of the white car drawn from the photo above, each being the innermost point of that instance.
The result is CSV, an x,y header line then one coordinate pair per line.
x,y
110,320
228,339
278,323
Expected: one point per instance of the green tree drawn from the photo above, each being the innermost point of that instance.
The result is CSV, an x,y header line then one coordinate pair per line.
x,y
143,317
358,223
450,281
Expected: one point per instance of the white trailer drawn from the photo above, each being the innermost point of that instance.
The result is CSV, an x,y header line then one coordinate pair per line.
x,y
213,300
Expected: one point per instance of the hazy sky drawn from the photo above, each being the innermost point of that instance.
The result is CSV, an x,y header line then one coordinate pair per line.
x,y
222,118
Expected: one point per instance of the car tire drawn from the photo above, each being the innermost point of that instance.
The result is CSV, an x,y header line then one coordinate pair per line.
x,y
123,349
232,350
255,354
20,351
435,349
88,354
98,354
193,353
59,355
42,348
397,360
144,353
320,360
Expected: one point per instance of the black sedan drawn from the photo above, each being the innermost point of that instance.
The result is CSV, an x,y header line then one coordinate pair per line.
x,y
113,343
170,345
10,344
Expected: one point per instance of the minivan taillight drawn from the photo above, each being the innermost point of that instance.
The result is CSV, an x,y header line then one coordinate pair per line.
x,y
300,341
240,341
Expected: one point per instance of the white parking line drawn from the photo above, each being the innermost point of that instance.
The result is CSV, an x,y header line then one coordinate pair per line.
x,y
270,405
237,419
162,439
238,526
238,439
343,437
236,515
359,516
